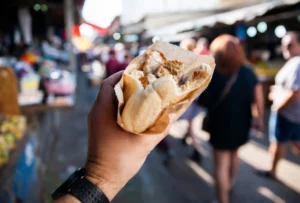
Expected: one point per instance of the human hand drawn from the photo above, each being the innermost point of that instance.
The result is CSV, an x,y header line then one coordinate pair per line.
x,y
275,93
272,92
258,124
114,155
275,107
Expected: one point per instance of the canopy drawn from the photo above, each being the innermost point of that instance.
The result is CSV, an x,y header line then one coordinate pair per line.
x,y
230,17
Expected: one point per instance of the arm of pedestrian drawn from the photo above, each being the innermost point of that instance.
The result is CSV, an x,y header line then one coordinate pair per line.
x,y
271,95
258,108
287,99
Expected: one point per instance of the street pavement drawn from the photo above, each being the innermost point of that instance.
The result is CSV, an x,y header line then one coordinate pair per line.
x,y
182,180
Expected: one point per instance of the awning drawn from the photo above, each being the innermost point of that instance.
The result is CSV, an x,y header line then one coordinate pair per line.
x,y
134,28
100,30
160,20
230,17
114,26
178,37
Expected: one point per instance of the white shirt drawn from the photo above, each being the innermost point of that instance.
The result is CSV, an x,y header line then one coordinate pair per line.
x,y
289,78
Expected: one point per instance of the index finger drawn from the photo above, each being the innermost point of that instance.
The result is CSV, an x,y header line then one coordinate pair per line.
x,y
113,79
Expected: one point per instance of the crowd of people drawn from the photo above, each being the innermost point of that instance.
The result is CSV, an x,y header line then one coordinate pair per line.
x,y
234,104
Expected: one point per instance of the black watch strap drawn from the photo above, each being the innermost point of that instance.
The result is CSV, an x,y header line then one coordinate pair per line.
x,y
78,186
87,192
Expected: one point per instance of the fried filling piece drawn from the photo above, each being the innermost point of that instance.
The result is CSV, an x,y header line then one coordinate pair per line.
x,y
156,66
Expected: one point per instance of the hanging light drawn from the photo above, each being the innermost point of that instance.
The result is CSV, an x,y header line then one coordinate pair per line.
x,y
262,27
37,7
280,31
44,7
251,31
116,36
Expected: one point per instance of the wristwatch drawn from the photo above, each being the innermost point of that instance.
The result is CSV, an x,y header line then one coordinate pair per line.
x,y
78,186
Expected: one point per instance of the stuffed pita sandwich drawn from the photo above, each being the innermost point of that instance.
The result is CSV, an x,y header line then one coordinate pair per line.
x,y
162,82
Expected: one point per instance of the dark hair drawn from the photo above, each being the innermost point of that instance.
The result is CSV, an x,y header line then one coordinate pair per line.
x,y
112,52
126,56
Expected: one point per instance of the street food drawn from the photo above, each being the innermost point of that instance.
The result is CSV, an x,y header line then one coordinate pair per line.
x,y
162,82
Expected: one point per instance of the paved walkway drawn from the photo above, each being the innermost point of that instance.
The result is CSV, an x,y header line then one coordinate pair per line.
x,y
184,180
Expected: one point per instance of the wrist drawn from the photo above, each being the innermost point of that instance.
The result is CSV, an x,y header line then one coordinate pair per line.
x,y
97,176
67,199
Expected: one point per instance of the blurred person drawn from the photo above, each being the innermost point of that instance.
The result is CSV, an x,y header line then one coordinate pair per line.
x,y
98,69
124,64
202,46
187,44
120,51
193,110
112,64
284,123
114,155
229,99
104,54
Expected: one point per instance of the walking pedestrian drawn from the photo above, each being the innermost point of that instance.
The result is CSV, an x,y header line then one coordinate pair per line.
x,y
125,63
284,123
202,47
112,65
187,44
192,111
229,98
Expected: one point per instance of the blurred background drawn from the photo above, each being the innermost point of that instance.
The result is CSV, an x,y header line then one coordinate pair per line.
x,y
54,55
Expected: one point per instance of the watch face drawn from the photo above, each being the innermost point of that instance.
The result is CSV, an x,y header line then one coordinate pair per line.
x,y
63,189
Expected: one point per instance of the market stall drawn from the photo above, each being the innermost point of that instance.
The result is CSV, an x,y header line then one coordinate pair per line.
x,y
20,106
11,147
14,131
37,79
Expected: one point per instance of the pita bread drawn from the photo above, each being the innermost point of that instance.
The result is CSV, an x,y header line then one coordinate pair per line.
x,y
162,82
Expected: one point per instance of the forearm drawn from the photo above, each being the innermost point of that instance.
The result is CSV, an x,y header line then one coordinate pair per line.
x,y
259,102
289,99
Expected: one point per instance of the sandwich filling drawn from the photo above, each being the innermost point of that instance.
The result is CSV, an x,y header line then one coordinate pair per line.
x,y
157,66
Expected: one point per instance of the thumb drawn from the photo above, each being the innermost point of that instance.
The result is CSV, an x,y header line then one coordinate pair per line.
x,y
106,99
106,92
113,79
